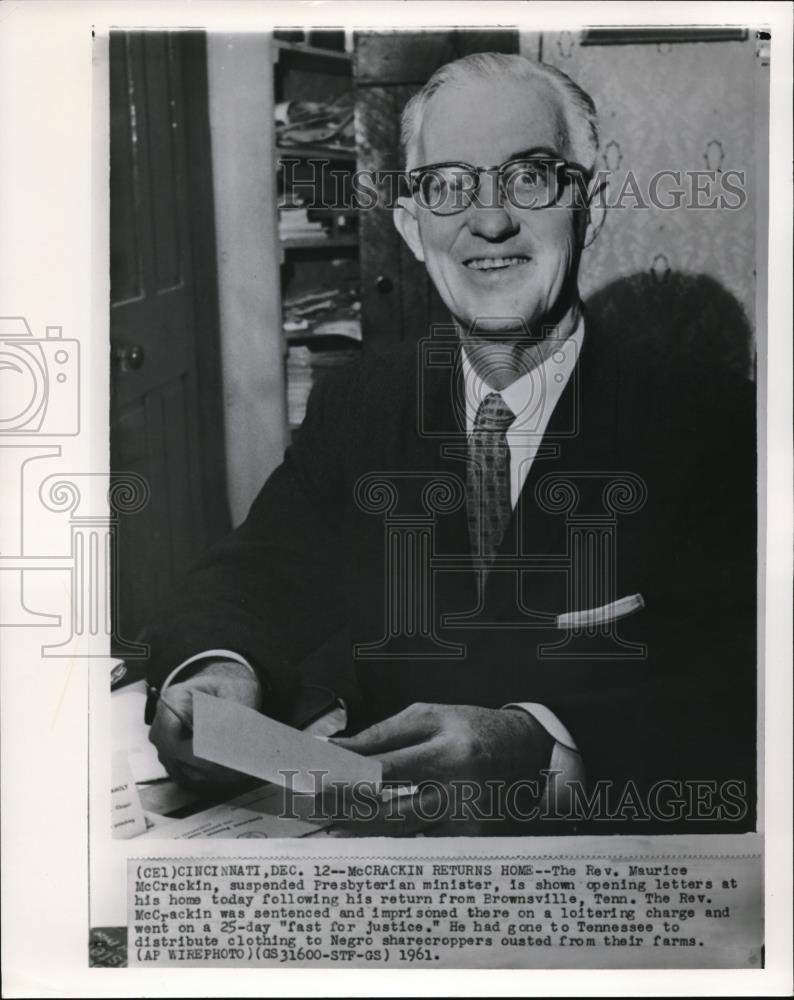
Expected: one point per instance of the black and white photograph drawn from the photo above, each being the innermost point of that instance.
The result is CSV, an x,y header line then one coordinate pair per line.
x,y
396,449
470,322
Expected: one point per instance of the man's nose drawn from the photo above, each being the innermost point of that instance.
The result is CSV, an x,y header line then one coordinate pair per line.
x,y
488,214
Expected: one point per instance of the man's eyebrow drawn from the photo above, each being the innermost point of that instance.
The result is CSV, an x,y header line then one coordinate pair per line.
x,y
523,154
535,151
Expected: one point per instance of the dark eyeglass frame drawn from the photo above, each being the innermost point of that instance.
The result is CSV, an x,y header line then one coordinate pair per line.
x,y
561,169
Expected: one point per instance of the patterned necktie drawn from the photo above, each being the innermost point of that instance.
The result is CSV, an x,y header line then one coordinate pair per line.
x,y
488,478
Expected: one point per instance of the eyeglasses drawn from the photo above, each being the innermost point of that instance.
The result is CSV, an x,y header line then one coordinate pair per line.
x,y
527,183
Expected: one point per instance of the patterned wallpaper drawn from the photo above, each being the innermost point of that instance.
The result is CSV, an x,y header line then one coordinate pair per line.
x,y
683,106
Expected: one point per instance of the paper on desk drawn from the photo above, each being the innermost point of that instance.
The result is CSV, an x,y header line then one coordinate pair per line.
x,y
261,813
127,819
235,736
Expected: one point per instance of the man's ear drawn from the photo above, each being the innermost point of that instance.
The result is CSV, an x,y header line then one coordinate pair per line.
x,y
408,226
595,215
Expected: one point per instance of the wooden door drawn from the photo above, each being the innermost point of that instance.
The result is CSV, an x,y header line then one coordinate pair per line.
x,y
166,411
398,300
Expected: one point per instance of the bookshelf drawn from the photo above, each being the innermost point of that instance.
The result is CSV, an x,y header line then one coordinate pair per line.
x,y
318,239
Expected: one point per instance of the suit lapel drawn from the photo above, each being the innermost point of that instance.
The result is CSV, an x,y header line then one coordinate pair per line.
x,y
580,437
441,426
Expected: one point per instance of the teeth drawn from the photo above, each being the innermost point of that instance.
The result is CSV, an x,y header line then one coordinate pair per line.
x,y
490,263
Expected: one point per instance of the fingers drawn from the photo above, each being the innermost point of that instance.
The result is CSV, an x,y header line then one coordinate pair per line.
x,y
414,724
171,734
178,708
413,764
168,730
171,731
411,744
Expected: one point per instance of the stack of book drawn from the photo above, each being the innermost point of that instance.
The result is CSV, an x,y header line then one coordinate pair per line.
x,y
294,224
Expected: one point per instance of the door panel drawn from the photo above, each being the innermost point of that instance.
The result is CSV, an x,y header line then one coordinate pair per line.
x,y
377,144
161,394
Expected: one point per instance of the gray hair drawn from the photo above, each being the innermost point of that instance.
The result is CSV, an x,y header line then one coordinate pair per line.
x,y
580,117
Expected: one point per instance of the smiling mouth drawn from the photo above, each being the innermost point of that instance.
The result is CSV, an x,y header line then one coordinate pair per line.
x,y
495,263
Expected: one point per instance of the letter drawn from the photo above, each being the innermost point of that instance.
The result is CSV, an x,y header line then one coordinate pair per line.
x,y
364,800
678,193
696,176
365,192
594,807
740,190
630,186
443,801
511,803
630,800
656,807
734,792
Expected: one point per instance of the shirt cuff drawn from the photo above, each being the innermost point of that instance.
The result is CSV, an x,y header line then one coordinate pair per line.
x,y
549,721
566,766
209,654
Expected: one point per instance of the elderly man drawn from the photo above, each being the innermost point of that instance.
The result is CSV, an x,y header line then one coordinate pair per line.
x,y
526,664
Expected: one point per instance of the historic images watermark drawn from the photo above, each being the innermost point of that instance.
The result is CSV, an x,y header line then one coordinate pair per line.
x,y
549,798
41,403
315,184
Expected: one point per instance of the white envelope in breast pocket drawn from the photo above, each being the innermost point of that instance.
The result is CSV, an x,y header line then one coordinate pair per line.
x,y
602,615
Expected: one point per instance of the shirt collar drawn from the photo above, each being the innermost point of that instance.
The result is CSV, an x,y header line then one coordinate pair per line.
x,y
537,390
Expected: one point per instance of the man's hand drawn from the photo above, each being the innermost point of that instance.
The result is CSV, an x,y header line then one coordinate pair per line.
x,y
454,746
222,678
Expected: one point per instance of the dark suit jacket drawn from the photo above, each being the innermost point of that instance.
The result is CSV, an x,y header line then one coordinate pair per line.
x,y
307,576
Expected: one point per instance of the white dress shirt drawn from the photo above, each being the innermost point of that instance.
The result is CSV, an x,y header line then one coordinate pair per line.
x,y
532,398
